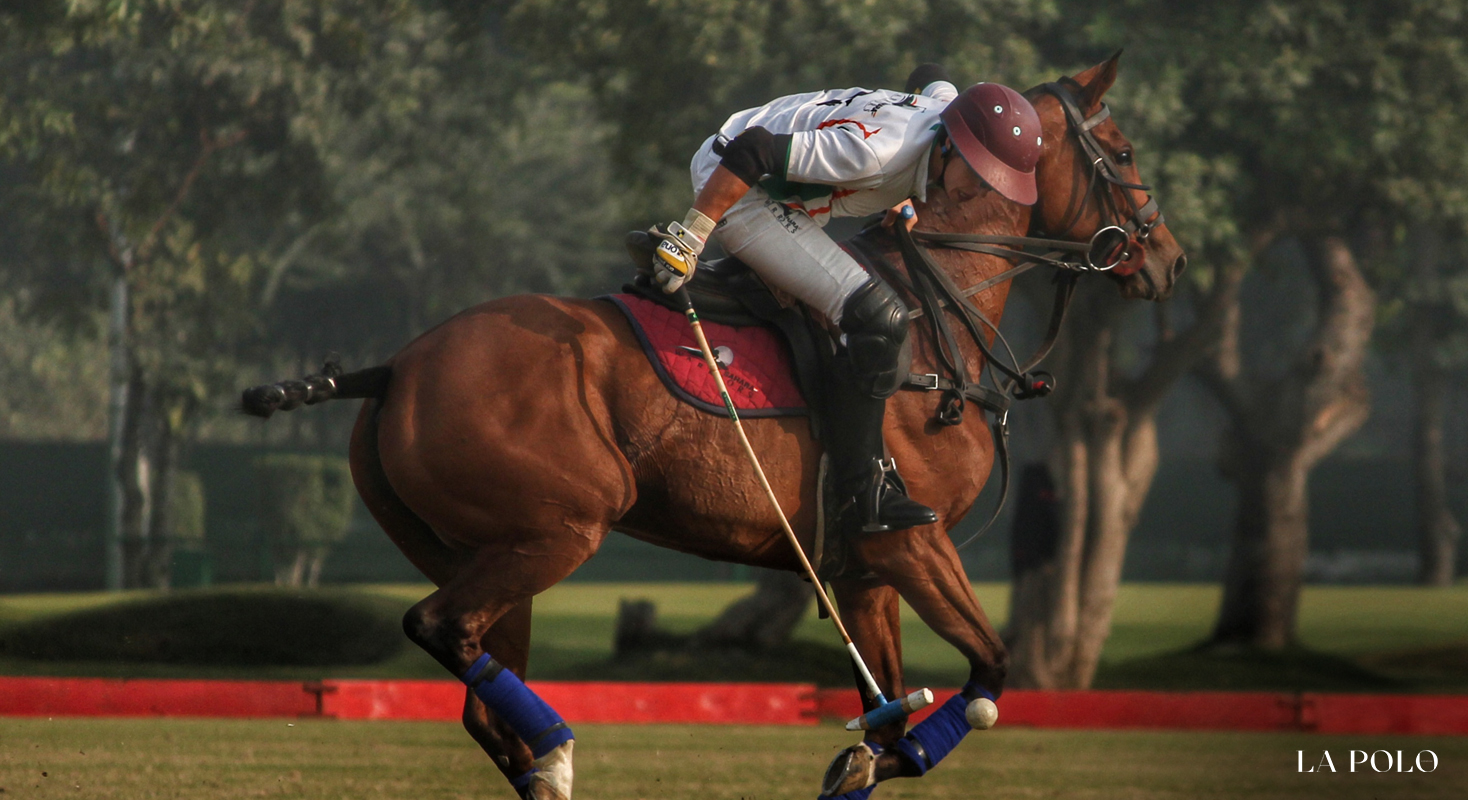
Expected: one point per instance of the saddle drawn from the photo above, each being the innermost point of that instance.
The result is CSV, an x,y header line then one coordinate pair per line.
x,y
727,292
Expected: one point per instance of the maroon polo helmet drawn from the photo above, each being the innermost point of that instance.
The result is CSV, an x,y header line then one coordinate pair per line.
x,y
998,134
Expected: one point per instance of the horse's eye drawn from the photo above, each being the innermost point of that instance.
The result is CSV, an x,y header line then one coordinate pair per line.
x,y
1124,158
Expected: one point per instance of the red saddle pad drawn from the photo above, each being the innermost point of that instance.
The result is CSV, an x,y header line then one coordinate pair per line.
x,y
755,361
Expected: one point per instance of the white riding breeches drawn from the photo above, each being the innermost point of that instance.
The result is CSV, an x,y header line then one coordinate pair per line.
x,y
789,251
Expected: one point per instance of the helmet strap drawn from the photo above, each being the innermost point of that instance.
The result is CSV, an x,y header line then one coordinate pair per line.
x,y
945,153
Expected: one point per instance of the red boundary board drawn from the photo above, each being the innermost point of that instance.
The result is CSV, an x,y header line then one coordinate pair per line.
x,y
1236,711
731,703
708,703
106,697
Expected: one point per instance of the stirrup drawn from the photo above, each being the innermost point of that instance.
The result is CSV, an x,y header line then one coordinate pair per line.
x,y
885,506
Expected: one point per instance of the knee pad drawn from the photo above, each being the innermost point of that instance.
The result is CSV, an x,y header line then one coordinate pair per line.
x,y
875,323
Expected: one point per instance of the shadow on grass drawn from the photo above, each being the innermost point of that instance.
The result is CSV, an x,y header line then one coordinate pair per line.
x,y
1209,668
230,627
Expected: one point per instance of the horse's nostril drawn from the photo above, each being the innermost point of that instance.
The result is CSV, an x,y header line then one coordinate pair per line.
x,y
1178,266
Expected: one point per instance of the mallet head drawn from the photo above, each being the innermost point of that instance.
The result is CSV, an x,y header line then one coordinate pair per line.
x,y
889,713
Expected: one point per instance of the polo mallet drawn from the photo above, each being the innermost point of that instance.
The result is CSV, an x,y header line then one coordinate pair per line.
x,y
886,711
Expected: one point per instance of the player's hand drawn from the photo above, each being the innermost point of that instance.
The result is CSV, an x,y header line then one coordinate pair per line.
x,y
676,256
903,211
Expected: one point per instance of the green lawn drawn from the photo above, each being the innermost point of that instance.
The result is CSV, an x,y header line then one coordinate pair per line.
x,y
1393,630
218,759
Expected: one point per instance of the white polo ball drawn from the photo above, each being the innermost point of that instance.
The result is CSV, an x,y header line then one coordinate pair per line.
x,y
981,713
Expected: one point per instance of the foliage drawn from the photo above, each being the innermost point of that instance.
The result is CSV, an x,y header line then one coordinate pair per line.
x,y
305,501
53,381
666,75
250,168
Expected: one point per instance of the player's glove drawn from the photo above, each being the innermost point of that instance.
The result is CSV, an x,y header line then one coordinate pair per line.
x,y
679,246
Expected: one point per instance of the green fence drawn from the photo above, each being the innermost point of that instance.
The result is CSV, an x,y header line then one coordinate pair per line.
x,y
53,511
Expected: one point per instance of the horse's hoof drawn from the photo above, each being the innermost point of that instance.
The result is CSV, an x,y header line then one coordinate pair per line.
x,y
553,781
853,768
981,713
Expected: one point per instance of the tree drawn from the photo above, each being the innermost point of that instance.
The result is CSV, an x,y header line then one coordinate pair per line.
x,y
1280,426
1105,455
305,508
1425,324
1337,112
153,124
219,173
724,56
1114,364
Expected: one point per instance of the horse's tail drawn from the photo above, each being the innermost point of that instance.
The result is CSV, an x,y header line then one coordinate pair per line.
x,y
329,384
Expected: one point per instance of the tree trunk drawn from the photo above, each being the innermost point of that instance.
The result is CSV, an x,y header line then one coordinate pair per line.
x,y
1267,557
290,567
1437,529
157,557
762,620
1106,455
1035,580
135,474
119,383
1124,462
1279,430
313,570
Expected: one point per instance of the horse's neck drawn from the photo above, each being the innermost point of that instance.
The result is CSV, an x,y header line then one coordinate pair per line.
x,y
990,215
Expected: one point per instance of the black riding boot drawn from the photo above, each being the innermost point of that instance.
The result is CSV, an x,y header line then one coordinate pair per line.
x,y
870,488
868,372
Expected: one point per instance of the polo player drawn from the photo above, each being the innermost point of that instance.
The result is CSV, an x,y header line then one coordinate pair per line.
x,y
773,176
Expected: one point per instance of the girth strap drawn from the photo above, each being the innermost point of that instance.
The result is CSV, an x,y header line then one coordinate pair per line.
x,y
986,398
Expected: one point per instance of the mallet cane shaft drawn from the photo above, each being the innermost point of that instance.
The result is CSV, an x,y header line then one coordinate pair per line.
x,y
886,712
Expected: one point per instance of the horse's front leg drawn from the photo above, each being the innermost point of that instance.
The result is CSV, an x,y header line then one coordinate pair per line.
x,y
924,568
870,611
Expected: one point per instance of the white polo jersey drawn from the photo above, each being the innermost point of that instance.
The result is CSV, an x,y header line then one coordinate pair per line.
x,y
853,152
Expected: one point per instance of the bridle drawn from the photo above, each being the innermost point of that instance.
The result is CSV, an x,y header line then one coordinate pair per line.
x,y
1128,231
1118,246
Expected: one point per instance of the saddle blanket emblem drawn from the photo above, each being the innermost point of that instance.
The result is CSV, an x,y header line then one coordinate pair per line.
x,y
755,361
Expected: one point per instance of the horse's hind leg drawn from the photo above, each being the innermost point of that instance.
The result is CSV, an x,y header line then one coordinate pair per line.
x,y
454,625
509,639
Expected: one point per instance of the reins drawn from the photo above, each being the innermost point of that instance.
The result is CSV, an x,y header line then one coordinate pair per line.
x,y
1109,248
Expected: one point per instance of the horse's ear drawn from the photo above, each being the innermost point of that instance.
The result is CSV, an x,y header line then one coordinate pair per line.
x,y
1096,80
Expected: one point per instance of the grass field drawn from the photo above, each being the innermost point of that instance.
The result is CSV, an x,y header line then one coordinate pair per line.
x,y
1363,638
134,759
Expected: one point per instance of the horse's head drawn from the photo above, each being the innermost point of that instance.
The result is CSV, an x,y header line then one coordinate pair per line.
x,y
1088,182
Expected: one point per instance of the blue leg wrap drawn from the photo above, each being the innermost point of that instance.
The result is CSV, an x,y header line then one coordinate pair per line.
x,y
512,701
935,737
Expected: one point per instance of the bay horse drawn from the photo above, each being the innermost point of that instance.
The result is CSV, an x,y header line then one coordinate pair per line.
x,y
509,440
